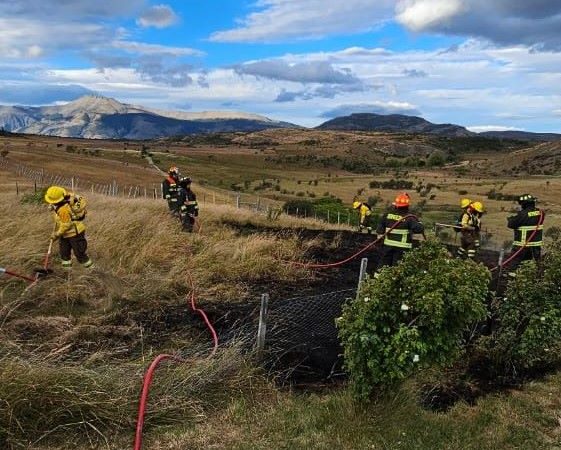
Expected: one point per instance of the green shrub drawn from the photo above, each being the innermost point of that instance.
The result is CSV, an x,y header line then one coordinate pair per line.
x,y
411,316
528,337
34,198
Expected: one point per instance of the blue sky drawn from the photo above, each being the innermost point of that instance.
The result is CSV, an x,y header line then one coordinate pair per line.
x,y
485,64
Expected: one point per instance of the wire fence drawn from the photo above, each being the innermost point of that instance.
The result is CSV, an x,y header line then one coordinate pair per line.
x,y
41,179
301,338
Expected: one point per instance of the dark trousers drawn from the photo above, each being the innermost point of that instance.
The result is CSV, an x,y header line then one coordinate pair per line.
x,y
527,254
77,244
188,221
173,204
392,255
468,245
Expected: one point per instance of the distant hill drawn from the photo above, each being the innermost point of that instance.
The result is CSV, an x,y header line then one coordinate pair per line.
x,y
396,123
98,117
522,136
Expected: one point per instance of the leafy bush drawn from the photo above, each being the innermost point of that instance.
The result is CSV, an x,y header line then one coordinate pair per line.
x,y
411,316
528,337
34,198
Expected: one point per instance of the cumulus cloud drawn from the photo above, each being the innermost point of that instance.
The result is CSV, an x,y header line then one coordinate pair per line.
x,y
422,14
279,20
377,107
304,72
159,16
505,22
38,29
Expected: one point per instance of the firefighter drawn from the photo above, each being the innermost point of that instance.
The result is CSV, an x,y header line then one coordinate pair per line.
x,y
365,212
479,211
470,226
69,212
400,239
188,206
528,231
170,190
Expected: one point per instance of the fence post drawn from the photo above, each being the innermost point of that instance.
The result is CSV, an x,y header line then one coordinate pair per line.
x,y
362,274
328,220
501,259
262,330
17,188
338,217
72,183
237,201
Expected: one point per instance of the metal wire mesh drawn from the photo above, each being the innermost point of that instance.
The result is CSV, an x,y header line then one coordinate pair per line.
x,y
301,333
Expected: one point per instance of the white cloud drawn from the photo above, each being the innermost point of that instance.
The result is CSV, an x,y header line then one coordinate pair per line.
x,y
512,88
484,128
504,22
155,49
420,14
159,16
310,19
377,107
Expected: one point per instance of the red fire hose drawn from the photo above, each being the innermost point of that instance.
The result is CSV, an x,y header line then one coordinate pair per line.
x,y
525,245
149,375
360,252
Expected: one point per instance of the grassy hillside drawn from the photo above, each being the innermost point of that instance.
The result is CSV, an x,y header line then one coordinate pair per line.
x,y
73,348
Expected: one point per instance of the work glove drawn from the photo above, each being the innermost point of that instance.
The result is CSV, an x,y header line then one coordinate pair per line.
x,y
168,197
54,236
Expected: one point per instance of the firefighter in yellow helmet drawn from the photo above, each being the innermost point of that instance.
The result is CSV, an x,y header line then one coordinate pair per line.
x,y
470,226
69,212
479,211
365,216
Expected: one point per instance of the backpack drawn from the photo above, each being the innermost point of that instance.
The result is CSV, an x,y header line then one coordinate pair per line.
x,y
77,207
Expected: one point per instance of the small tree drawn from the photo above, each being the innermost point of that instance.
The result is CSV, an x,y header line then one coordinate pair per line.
x,y
411,316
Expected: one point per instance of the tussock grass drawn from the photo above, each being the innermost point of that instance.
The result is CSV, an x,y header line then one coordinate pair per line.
x,y
45,403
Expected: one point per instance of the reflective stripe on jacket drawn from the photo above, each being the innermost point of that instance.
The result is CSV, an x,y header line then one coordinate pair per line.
x,y
524,224
402,235
170,189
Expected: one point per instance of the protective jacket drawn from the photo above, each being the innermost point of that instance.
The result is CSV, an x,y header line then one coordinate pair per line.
x,y
69,216
365,211
402,235
470,223
524,224
188,202
170,189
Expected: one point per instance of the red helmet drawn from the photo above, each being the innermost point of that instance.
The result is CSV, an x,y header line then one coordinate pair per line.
x,y
402,200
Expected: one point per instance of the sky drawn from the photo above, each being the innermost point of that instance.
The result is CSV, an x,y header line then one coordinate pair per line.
x,y
484,64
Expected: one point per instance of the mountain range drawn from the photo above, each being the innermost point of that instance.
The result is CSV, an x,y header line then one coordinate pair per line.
x,y
98,117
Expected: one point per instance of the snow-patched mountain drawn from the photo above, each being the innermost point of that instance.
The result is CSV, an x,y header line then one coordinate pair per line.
x,y
98,117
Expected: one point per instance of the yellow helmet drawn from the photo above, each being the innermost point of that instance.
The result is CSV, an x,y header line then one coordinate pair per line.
x,y
356,204
478,206
55,194
465,202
